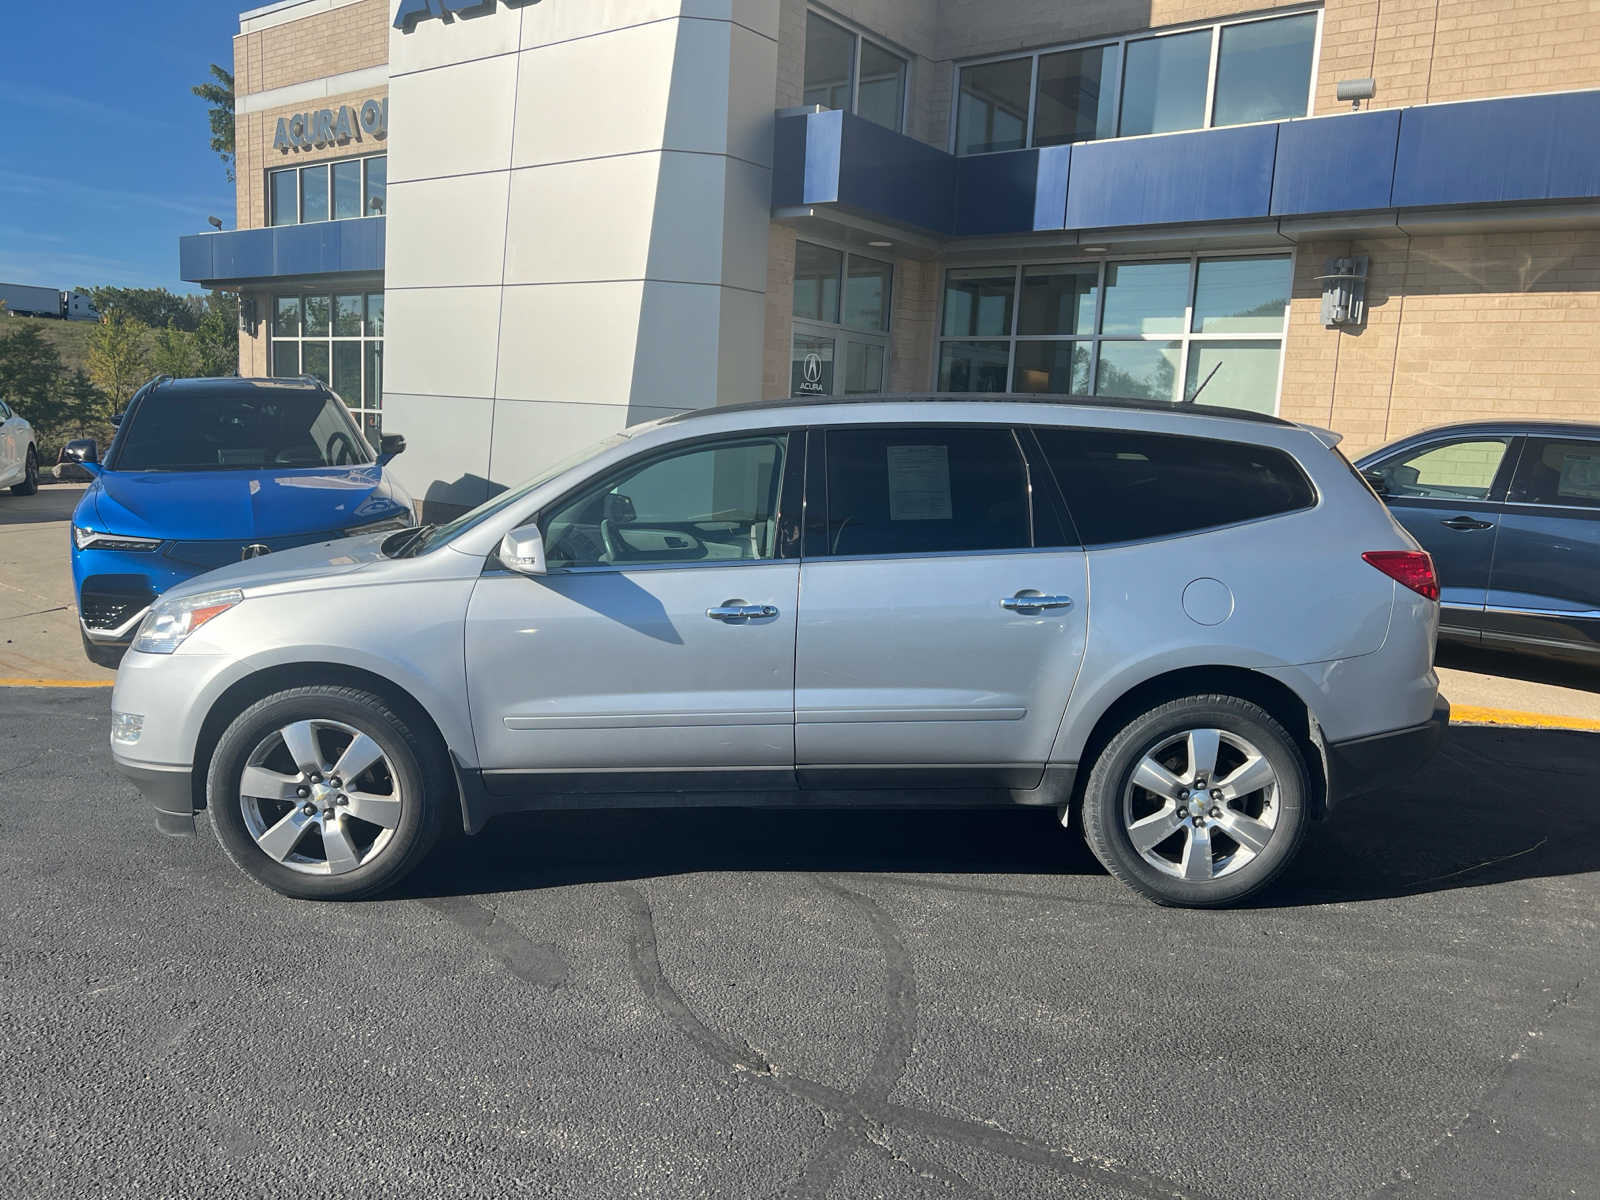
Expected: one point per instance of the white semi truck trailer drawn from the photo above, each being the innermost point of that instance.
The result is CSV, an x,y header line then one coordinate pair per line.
x,y
47,302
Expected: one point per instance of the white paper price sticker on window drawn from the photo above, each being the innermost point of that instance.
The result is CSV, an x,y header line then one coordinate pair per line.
x,y
1580,476
919,483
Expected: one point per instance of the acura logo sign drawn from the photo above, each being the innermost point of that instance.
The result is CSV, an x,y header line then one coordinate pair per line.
x,y
412,11
254,550
811,373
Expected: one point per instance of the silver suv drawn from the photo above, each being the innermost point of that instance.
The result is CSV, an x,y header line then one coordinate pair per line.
x,y
1189,631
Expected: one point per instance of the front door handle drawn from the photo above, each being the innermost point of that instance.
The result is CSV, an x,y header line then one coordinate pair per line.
x,y
738,610
1466,523
1029,600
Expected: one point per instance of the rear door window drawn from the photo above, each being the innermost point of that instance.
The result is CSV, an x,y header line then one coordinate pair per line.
x,y
1553,471
1458,470
924,490
1126,485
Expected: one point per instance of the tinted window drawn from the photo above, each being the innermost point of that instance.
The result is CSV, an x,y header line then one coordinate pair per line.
x,y
1463,470
1124,486
924,491
263,428
1553,472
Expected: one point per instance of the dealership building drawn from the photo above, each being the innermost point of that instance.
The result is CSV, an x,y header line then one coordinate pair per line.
x,y
508,229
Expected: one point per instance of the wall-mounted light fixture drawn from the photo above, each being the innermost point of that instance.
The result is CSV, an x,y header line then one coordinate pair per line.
x,y
1344,292
1356,90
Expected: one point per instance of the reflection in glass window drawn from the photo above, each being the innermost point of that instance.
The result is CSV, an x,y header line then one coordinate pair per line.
x,y
1060,368
1077,96
811,366
347,370
1164,85
314,360
347,316
1241,295
374,314
1138,370
992,110
372,387
314,194
1145,297
285,197
1246,373
316,316
863,368
830,59
377,185
286,317
337,339
881,96
866,293
347,190
285,360
1264,70
816,282
973,366
977,303
1057,300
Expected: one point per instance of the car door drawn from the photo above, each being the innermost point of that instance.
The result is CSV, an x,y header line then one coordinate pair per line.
x,y
10,457
1544,589
657,653
1447,494
942,619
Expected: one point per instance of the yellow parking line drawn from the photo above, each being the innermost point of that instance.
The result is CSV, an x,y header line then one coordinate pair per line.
x,y
1466,714
57,683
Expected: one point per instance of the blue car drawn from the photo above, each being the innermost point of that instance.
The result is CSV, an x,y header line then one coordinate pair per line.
x,y
204,472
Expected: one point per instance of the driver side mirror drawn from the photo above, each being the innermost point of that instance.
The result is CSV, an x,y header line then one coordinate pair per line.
x,y
391,445
522,551
1378,480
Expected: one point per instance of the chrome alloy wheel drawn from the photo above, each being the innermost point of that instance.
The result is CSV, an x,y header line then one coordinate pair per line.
x,y
320,797
1201,804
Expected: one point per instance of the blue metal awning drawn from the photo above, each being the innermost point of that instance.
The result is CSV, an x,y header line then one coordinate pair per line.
x,y
243,256
1523,150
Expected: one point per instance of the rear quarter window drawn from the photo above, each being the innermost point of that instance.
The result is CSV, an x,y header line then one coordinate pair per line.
x,y
1127,486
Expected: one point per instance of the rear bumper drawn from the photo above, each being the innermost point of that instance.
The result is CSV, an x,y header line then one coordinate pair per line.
x,y
1366,764
170,790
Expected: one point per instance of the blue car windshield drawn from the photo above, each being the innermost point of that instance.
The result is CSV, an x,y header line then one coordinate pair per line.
x,y
191,429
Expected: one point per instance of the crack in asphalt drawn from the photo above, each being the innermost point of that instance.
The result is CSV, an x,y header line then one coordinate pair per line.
x,y
531,962
861,1111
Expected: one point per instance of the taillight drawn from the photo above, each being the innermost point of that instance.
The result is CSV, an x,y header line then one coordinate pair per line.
x,y
1414,568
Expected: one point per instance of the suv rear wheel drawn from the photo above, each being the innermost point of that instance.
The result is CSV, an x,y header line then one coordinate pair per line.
x,y
1199,802
326,793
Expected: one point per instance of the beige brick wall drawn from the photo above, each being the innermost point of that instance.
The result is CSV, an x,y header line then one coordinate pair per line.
x,y
780,313
253,136
1458,328
345,39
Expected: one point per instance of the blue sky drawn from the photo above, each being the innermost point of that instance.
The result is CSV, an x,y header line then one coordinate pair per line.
x,y
105,161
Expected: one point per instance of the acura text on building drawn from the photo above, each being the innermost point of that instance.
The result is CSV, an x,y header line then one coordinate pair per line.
x,y
330,127
412,11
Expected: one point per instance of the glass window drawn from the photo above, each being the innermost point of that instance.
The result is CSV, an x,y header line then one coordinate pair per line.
x,y
863,368
347,189
1241,295
1164,83
1264,70
377,185
830,59
314,361
1138,370
286,360
992,110
314,193
1463,470
316,316
977,303
347,369
286,316
816,282
811,368
866,293
285,197
925,491
347,316
973,366
372,387
1123,486
716,503
1057,300
1552,472
1145,297
1246,374
1077,96
374,314
1060,368
881,96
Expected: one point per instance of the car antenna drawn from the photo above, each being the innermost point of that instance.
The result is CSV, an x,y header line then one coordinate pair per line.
x,y
1189,399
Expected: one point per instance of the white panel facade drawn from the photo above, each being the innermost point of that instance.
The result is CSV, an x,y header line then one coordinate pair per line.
x,y
607,199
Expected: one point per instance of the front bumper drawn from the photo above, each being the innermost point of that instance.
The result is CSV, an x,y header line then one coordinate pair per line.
x,y
1366,764
169,789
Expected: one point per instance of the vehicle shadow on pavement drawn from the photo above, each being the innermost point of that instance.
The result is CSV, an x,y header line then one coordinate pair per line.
x,y
1496,805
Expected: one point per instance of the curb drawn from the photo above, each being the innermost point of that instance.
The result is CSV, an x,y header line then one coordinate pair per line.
x,y
57,683
1466,714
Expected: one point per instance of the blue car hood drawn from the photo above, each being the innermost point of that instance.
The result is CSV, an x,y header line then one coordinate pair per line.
x,y
244,505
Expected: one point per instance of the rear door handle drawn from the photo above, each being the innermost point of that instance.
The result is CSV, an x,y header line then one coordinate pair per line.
x,y
738,610
1028,600
1465,523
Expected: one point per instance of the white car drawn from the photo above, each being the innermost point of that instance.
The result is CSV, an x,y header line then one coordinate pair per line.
x,y
19,457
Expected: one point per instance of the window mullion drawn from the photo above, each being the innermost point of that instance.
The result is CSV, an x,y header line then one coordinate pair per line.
x,y
1211,75
1033,101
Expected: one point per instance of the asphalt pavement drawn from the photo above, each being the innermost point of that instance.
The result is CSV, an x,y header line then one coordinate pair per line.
x,y
805,1004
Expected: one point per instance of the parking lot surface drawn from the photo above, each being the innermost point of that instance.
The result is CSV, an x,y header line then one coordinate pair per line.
x,y
808,1004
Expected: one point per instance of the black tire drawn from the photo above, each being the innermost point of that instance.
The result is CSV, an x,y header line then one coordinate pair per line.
x,y
1110,783
420,771
101,656
30,476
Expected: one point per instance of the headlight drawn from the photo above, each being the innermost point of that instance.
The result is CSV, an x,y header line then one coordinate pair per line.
x,y
87,539
170,621
387,525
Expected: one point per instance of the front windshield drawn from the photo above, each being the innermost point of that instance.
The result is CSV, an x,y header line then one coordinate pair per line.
x,y
444,534
233,428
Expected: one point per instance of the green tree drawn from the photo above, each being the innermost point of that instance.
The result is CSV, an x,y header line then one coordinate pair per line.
x,y
218,93
174,352
155,307
217,337
87,410
118,362
30,375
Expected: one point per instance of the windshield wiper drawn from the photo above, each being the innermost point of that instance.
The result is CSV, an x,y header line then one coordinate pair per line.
x,y
414,544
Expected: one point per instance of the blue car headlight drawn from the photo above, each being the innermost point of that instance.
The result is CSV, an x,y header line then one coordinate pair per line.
x,y
170,621
85,538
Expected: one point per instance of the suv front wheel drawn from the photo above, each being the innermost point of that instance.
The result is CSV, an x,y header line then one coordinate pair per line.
x,y
326,792
1199,802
